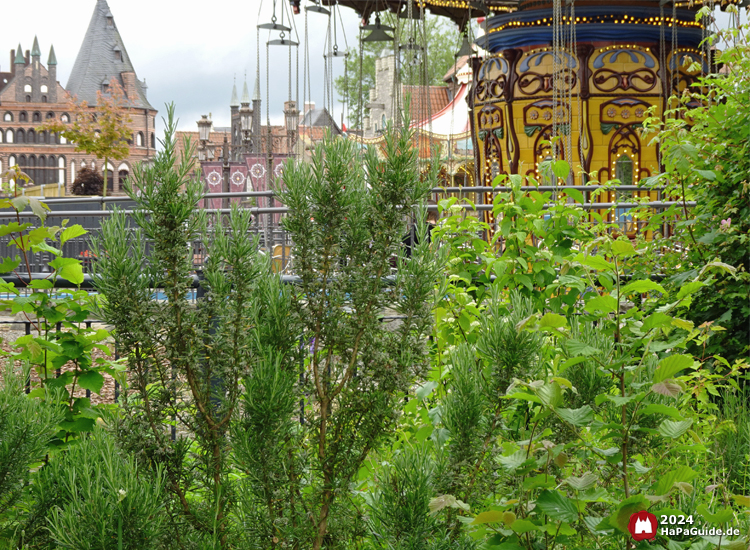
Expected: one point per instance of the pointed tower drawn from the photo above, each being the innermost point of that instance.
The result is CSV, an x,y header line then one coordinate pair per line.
x,y
102,57
256,109
18,69
52,70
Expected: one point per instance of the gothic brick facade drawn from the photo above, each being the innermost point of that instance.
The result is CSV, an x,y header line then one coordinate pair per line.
x,y
30,94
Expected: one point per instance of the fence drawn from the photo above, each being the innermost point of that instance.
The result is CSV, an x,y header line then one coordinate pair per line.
x,y
274,240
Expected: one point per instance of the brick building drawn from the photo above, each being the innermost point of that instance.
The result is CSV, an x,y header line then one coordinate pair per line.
x,y
31,94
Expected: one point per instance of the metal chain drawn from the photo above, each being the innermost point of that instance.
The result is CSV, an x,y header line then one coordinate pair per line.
x,y
675,60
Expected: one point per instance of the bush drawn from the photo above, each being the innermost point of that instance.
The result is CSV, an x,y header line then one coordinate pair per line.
x,y
87,182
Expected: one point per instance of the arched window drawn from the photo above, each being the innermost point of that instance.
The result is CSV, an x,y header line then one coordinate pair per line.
x,y
27,88
31,170
31,136
2,135
44,99
153,141
28,99
110,178
37,117
20,136
122,174
44,88
64,117
139,139
51,167
41,173
61,170
23,117
63,140
41,137
9,136
8,117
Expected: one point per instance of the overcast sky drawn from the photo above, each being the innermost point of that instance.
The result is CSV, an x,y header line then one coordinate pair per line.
x,y
188,51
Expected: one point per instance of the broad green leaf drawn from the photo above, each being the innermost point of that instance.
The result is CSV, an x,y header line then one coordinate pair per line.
x,y
742,500
552,320
525,397
606,304
690,288
576,195
656,320
561,168
627,508
9,265
521,526
596,262
41,284
80,424
674,430
708,174
91,380
642,287
38,208
69,269
71,232
575,347
683,324
722,516
557,506
423,433
671,365
550,394
490,516
13,227
586,481
539,481
666,481
623,248
578,417
426,390
655,408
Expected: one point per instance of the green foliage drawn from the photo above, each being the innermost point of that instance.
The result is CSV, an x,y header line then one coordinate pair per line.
x,y
27,427
116,507
442,43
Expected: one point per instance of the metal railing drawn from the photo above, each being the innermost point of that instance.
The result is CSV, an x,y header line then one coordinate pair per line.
x,y
273,238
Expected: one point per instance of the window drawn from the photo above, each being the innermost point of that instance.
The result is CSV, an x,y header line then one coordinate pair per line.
x,y
32,170
110,21
153,141
63,140
27,88
139,139
9,136
624,173
31,136
50,115
44,99
51,166
37,117
43,89
118,55
23,117
28,99
41,137
20,136
61,170
105,88
8,117
64,118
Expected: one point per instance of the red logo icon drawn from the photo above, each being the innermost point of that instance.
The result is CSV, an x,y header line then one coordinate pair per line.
x,y
643,525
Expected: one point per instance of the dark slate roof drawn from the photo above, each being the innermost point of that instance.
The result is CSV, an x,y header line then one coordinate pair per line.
x,y
96,61
319,117
52,58
35,51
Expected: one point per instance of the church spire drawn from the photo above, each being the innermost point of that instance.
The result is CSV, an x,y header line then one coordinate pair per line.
x,y
234,102
35,51
102,57
256,92
52,60
245,94
19,60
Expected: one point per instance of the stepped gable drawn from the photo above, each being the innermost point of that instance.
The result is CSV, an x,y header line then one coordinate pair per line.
x,y
101,57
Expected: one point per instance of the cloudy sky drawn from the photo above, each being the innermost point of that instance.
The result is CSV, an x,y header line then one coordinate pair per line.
x,y
188,51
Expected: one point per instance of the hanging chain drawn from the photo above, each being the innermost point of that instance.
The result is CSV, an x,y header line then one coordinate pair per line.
x,y
675,59
556,54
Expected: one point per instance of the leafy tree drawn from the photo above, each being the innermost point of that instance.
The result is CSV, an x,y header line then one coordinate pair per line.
x,y
102,130
87,182
442,43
